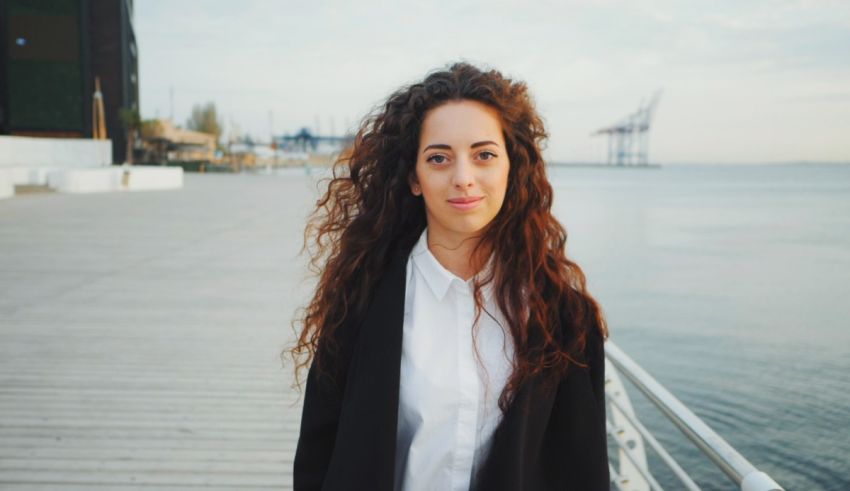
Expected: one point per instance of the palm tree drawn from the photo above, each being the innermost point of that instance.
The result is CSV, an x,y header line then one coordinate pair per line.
x,y
131,120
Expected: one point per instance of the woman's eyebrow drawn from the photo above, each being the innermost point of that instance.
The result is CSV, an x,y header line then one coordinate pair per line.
x,y
440,146
481,143
443,146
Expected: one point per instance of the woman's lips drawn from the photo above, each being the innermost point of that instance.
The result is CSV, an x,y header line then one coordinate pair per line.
x,y
466,203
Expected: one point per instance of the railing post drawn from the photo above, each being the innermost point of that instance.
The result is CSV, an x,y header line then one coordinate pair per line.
x,y
729,460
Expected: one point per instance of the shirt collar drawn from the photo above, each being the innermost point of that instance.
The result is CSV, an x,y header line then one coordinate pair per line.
x,y
438,278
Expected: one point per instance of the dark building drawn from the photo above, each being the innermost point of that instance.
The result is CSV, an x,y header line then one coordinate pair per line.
x,y
51,53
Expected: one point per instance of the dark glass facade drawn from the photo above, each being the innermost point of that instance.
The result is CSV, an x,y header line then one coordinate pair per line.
x,y
51,53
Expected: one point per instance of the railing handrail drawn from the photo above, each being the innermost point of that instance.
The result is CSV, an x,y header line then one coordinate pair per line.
x,y
732,463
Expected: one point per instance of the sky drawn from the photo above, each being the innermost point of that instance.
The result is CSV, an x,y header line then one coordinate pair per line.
x,y
740,81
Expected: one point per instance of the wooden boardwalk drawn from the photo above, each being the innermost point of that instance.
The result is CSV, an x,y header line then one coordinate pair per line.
x,y
140,336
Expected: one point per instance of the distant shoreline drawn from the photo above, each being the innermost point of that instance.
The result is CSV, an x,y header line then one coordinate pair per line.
x,y
603,166
694,164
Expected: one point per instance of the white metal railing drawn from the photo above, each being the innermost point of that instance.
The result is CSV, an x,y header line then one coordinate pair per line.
x,y
631,435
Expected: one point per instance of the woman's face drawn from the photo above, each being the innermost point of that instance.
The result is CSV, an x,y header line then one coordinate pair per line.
x,y
461,169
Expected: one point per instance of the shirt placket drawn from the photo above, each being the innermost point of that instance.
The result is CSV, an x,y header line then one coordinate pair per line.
x,y
467,420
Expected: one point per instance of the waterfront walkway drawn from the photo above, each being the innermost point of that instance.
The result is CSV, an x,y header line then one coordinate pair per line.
x,y
140,336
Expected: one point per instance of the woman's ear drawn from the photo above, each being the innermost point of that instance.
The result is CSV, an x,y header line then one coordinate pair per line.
x,y
415,188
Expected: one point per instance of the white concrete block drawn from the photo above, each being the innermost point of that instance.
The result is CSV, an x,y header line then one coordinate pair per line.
x,y
19,175
146,178
124,178
33,176
7,185
38,175
16,151
97,180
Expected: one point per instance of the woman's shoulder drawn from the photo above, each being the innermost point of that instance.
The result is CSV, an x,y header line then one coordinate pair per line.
x,y
383,290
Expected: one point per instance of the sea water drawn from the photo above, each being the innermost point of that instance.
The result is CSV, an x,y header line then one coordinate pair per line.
x,y
730,285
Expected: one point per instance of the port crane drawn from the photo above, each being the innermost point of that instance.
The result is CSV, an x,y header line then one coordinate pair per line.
x,y
628,139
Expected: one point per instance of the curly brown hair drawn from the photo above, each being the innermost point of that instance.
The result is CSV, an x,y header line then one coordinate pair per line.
x,y
368,214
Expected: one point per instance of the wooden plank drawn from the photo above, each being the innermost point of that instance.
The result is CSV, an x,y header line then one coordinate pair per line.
x,y
140,337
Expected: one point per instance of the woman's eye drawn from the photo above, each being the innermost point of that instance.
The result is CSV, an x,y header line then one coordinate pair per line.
x,y
437,159
486,155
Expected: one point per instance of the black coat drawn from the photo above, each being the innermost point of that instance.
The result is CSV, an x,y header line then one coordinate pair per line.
x,y
547,440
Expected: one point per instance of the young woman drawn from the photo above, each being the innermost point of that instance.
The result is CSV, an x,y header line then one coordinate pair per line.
x,y
451,344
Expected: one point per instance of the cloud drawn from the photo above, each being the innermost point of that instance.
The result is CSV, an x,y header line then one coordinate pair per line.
x,y
587,64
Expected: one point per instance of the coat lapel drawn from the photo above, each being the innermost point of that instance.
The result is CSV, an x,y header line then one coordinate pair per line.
x,y
367,428
366,443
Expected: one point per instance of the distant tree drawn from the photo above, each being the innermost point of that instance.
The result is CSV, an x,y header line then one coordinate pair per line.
x,y
131,121
155,150
205,119
151,128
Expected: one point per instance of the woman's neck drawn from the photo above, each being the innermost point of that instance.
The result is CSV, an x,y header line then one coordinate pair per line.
x,y
456,254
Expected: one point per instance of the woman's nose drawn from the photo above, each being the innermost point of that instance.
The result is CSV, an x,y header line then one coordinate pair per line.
x,y
463,175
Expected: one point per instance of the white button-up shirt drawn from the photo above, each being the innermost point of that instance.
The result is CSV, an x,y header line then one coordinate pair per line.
x,y
448,402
